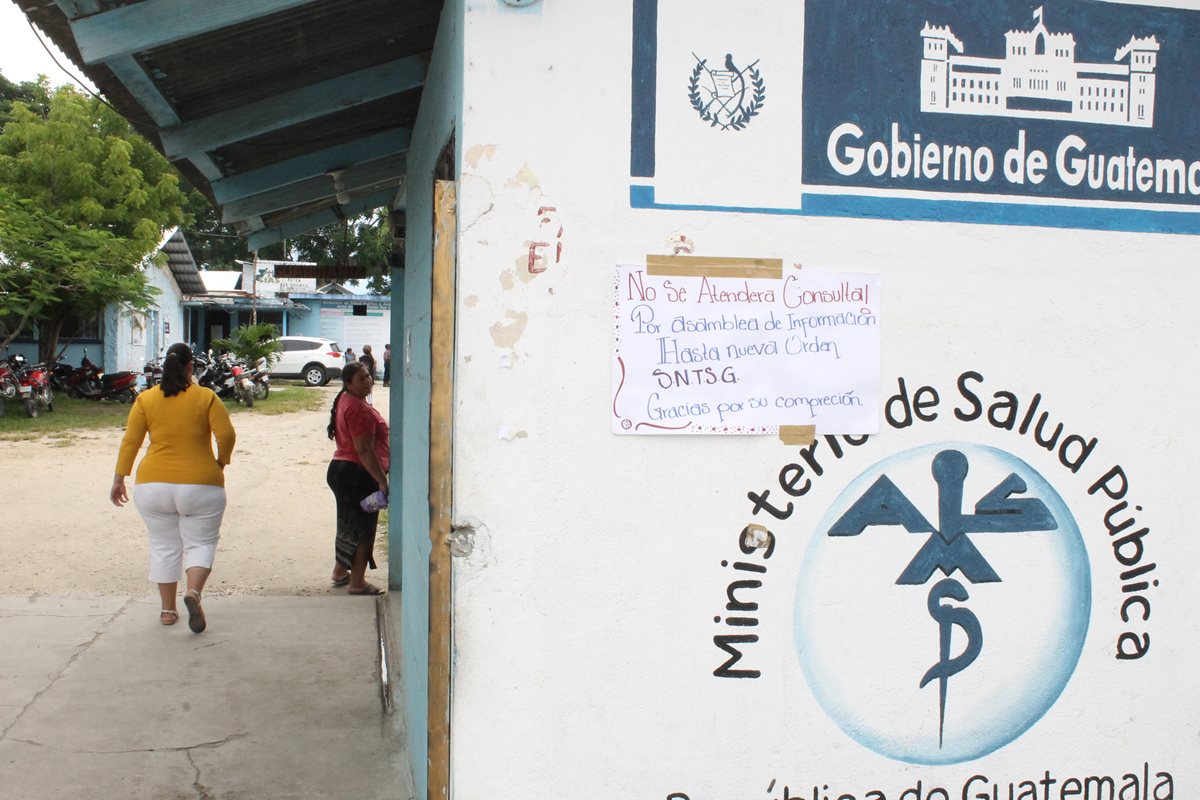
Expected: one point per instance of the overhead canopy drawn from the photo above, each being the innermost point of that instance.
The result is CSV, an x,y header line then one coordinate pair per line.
x,y
287,114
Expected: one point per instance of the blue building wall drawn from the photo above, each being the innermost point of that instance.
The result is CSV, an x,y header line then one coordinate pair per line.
x,y
408,534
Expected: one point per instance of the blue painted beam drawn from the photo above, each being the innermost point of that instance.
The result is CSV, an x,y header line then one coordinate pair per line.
x,y
369,148
160,112
153,23
261,239
360,179
294,107
73,9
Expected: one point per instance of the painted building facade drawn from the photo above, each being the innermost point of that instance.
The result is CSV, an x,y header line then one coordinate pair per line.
x,y
983,593
1039,76
119,339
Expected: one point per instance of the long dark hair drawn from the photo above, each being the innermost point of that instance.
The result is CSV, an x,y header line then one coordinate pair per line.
x,y
348,373
175,378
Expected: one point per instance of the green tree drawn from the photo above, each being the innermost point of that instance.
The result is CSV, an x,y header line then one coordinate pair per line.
x,y
85,202
90,266
365,240
34,94
213,245
252,342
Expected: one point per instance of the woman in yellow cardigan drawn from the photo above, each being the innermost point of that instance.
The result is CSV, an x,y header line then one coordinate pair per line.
x,y
180,487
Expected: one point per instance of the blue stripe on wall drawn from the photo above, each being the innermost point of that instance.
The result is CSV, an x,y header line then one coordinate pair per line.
x,y
645,88
897,208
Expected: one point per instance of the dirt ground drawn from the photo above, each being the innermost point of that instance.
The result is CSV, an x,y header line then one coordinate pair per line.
x,y
61,535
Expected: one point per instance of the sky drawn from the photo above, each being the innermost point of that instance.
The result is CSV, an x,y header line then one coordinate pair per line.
x,y
21,56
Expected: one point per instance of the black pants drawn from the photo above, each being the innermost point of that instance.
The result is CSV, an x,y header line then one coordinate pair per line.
x,y
350,483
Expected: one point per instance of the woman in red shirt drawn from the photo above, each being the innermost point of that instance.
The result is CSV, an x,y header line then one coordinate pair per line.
x,y
359,467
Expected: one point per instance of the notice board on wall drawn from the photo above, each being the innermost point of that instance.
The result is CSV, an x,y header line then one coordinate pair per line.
x,y
743,346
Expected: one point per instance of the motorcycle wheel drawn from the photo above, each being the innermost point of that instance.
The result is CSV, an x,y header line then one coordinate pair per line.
x,y
127,396
249,398
31,406
264,389
48,398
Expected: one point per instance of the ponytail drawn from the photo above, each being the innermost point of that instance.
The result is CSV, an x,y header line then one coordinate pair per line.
x,y
332,429
175,377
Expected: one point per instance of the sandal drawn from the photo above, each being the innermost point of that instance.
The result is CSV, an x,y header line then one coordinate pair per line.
x,y
195,612
342,581
171,620
368,589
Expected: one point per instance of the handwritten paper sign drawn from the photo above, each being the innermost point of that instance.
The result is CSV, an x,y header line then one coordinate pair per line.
x,y
740,346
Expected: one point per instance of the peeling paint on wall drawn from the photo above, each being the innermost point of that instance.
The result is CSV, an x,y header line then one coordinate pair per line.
x,y
477,152
507,334
524,177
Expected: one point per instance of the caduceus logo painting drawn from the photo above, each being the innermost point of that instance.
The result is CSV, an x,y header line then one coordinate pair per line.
x,y
943,603
729,96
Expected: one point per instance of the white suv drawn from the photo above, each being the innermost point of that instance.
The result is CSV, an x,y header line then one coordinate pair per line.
x,y
315,360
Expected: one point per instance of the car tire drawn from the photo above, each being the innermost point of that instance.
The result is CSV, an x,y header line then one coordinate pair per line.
x,y
315,375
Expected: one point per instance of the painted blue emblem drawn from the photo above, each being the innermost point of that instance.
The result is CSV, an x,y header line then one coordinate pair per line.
x,y
999,652
729,96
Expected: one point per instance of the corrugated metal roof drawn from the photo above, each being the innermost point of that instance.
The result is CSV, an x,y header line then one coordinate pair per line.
x,y
213,78
182,264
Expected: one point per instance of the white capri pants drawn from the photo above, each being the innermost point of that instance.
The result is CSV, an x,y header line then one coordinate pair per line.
x,y
183,521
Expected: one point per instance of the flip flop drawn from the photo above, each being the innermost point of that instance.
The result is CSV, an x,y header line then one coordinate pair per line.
x,y
174,616
368,589
195,613
342,581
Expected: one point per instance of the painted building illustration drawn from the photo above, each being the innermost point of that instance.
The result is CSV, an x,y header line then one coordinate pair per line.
x,y
1039,77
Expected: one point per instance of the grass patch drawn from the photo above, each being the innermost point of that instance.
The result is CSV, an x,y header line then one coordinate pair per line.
x,y
71,414
281,402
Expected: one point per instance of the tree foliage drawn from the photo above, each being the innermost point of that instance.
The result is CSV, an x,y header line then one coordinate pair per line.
x,y
213,245
85,201
252,342
365,240
34,94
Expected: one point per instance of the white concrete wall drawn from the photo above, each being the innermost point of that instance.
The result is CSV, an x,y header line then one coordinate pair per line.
x,y
137,338
585,600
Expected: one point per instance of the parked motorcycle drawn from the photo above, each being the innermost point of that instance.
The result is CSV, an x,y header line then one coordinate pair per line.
x,y
10,385
92,383
33,384
61,374
241,378
152,373
261,376
208,372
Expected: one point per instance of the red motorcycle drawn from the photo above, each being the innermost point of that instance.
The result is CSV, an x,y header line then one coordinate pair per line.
x,y
33,384
91,382
243,380
10,385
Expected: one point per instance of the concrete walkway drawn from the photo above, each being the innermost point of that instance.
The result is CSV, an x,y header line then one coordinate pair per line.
x,y
279,698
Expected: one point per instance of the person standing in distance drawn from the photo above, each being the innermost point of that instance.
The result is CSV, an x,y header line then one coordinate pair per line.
x,y
368,358
348,355
387,365
358,468
180,487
